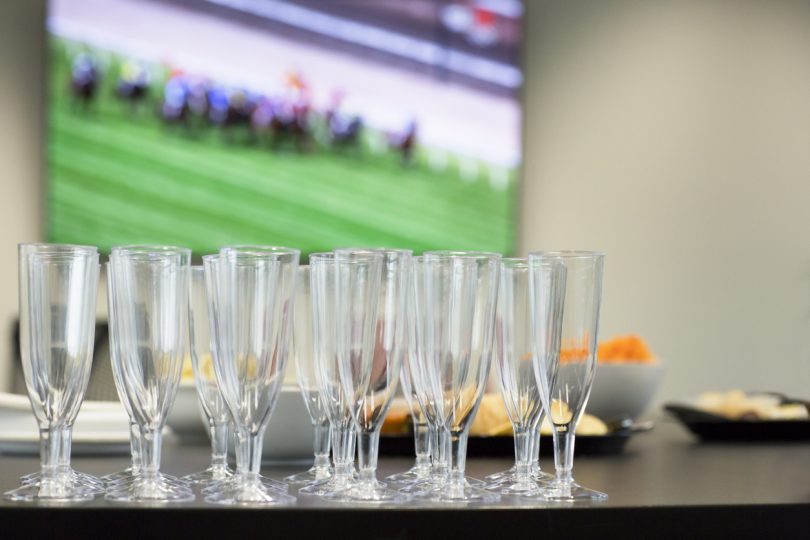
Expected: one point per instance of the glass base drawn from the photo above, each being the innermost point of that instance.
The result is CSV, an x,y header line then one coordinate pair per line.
x,y
77,479
314,474
423,489
427,489
464,493
210,475
233,481
527,487
511,479
246,493
331,487
414,474
499,476
127,474
129,480
572,492
540,476
508,475
157,490
57,491
367,493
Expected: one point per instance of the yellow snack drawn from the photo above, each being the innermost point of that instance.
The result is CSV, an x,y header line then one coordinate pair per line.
x,y
792,411
492,420
188,370
738,405
501,430
588,425
591,425
560,413
491,416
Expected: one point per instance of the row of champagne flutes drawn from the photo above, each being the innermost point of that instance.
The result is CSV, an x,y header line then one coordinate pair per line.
x,y
361,318
364,316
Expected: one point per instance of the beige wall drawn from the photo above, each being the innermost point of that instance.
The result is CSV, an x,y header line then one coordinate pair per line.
x,y
21,96
674,135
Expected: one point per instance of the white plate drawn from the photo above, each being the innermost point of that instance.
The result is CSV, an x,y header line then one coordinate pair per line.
x,y
101,428
87,444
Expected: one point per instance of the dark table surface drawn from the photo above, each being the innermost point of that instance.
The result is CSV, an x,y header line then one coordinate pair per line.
x,y
665,484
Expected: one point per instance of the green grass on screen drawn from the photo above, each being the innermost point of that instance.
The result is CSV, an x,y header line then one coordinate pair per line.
x,y
118,177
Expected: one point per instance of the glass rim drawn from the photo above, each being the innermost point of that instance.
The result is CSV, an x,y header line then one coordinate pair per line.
x,y
567,254
258,249
384,250
149,247
515,262
60,257
54,248
359,258
458,254
149,252
248,255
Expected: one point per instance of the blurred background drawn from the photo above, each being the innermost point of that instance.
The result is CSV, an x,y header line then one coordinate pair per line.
x,y
672,135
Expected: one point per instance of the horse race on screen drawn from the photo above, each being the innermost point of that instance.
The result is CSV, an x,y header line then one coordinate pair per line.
x,y
305,124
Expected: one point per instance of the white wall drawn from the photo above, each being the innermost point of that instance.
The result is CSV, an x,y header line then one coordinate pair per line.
x,y
674,135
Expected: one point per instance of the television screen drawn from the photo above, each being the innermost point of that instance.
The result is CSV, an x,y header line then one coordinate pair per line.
x,y
312,123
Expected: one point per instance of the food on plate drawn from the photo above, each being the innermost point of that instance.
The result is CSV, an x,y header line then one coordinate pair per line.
x,y
492,419
588,425
738,405
622,349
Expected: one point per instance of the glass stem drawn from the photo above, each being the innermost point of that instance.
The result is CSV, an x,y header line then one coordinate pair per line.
x,y
439,452
368,443
50,451
64,451
241,445
254,453
535,451
522,454
343,450
150,453
219,446
564,454
421,443
321,446
135,447
458,457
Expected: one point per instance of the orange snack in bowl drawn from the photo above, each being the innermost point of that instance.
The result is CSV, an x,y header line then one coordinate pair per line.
x,y
398,419
630,348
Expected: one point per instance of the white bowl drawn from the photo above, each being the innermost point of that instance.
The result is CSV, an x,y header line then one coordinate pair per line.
x,y
186,418
289,434
623,390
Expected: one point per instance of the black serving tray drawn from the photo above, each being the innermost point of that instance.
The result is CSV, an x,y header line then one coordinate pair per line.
x,y
714,428
503,446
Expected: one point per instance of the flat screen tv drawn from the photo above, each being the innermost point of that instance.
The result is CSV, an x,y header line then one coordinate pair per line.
x,y
313,123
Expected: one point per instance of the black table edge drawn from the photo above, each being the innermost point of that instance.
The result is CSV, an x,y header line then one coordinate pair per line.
x,y
356,523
